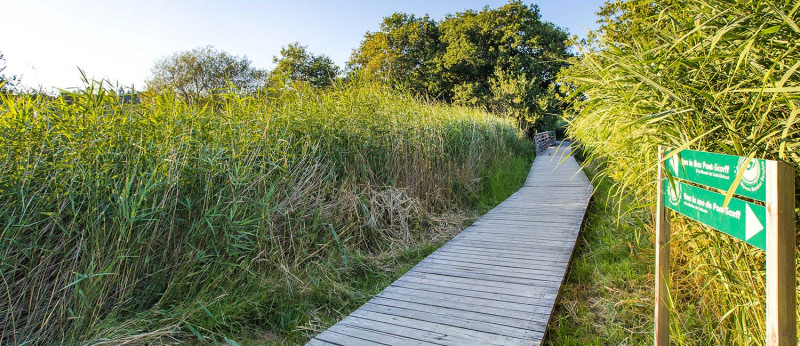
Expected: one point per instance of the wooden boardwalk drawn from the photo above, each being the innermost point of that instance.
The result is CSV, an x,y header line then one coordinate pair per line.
x,y
493,284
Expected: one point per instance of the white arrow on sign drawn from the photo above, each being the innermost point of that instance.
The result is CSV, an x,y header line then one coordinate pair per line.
x,y
752,225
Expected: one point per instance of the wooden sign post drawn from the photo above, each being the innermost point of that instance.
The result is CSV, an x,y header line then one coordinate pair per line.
x,y
769,227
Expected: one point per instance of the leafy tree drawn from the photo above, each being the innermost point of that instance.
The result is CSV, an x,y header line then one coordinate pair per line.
x,y
7,84
504,59
204,71
403,52
297,64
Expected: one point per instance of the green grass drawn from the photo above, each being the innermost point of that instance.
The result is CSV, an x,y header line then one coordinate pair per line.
x,y
250,217
716,76
606,296
325,302
503,180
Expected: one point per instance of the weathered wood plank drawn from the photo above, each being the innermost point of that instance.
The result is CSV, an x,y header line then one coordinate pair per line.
x,y
483,275
524,312
510,244
549,275
495,332
500,248
381,326
517,263
468,336
453,288
518,327
340,339
499,256
370,334
318,342
536,312
508,289
545,256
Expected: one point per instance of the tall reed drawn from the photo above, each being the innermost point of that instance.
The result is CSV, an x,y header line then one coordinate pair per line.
x,y
162,221
715,75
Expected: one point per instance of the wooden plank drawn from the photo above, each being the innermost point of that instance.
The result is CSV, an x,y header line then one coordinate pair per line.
x,y
531,233
341,339
499,256
531,295
781,280
482,276
538,248
525,230
318,342
526,233
516,327
381,326
376,335
469,336
524,242
527,294
450,289
546,256
520,226
511,244
511,308
496,332
486,259
523,312
508,249
548,275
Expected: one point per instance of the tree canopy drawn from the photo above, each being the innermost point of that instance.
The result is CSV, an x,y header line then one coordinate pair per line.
x,y
297,64
202,72
7,83
403,51
504,59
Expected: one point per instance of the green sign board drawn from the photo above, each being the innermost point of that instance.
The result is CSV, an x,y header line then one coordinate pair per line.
x,y
719,171
741,219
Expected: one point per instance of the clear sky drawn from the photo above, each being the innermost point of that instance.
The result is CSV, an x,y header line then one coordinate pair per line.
x,y
45,41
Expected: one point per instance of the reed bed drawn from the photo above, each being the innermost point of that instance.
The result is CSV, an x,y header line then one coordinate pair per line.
x,y
169,221
715,75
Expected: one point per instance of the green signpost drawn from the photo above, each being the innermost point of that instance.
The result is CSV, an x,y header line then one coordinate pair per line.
x,y
688,183
719,171
740,219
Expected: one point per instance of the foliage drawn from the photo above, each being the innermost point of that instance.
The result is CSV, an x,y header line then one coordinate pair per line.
x,y
717,76
166,221
297,64
402,52
202,72
504,59
7,83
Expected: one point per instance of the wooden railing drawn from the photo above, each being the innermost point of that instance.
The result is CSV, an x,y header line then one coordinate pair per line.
x,y
544,140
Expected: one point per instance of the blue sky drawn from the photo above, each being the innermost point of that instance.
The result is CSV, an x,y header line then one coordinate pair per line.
x,y
46,41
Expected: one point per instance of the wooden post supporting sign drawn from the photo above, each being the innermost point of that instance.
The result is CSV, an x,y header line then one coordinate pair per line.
x,y
695,175
781,281
662,261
